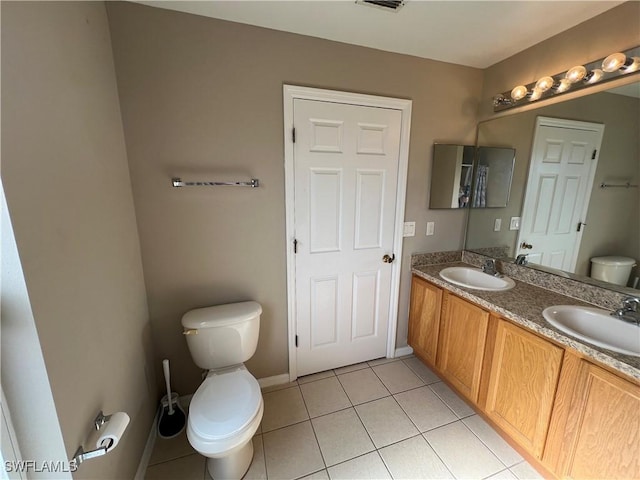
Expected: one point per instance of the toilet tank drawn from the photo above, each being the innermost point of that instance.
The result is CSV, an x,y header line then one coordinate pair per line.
x,y
222,335
612,269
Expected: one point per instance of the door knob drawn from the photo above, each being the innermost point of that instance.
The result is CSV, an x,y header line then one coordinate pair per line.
x,y
526,246
389,259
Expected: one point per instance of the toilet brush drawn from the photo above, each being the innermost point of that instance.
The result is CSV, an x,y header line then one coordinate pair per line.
x,y
172,418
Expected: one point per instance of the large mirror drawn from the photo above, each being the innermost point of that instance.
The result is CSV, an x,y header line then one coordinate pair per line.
x,y
605,221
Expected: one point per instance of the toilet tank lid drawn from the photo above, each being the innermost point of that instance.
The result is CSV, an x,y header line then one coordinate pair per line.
x,y
614,261
221,315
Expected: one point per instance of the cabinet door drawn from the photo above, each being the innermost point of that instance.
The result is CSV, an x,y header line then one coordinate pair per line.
x,y
602,436
424,319
461,348
522,385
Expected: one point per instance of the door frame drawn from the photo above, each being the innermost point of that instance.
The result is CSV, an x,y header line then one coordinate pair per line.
x,y
291,93
597,128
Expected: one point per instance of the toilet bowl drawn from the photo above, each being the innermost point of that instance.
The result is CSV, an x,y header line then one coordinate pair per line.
x,y
612,269
226,410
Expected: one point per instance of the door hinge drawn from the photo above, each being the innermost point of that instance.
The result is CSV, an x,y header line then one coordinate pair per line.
x,y
593,155
295,246
293,134
296,341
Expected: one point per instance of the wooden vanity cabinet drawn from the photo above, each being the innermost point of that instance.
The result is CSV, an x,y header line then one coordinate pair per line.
x,y
578,419
424,318
522,384
595,430
463,332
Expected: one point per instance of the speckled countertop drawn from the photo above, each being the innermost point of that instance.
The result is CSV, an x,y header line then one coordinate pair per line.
x,y
523,304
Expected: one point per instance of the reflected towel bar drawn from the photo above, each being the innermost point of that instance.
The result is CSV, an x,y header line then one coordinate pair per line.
x,y
617,185
177,182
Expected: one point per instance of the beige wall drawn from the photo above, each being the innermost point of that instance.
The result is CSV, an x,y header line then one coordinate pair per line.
x,y
202,98
605,233
64,170
614,30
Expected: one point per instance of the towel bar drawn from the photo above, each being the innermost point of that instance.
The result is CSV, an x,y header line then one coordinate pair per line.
x,y
617,185
177,182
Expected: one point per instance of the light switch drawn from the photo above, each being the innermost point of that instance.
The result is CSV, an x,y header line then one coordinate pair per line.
x,y
497,225
430,228
515,223
409,229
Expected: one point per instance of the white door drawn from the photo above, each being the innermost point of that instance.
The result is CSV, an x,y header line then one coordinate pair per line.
x,y
563,162
346,161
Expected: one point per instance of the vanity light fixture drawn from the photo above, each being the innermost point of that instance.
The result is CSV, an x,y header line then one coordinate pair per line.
x,y
578,77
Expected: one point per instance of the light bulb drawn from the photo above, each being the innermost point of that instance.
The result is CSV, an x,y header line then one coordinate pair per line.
x,y
614,62
545,83
576,74
535,94
594,76
519,92
631,65
563,86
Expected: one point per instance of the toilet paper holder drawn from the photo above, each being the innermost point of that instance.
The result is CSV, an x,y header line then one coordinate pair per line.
x,y
80,455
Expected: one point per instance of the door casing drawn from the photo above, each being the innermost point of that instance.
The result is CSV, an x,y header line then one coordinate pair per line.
x,y
290,93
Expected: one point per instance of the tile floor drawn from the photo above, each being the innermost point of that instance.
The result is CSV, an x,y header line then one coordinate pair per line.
x,y
389,418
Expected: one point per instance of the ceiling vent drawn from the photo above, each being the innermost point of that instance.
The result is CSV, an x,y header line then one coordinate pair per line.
x,y
388,5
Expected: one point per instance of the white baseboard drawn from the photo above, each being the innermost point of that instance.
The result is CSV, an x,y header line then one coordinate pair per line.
x,y
148,449
402,351
275,380
184,400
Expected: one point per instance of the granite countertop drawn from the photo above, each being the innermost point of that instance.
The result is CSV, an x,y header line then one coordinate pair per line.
x,y
523,304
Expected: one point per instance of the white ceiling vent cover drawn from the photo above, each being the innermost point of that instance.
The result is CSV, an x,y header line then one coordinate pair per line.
x,y
388,5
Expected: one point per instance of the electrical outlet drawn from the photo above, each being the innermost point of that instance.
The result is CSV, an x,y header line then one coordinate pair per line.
x,y
497,225
514,224
409,229
430,228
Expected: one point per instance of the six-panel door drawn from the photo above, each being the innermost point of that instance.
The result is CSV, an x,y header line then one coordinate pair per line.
x,y
346,160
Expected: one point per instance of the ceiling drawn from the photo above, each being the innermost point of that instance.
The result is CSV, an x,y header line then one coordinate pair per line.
x,y
474,33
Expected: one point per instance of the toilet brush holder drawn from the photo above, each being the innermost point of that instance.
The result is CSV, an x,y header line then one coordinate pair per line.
x,y
172,418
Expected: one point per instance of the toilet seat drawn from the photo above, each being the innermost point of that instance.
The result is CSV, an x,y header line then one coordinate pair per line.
x,y
225,411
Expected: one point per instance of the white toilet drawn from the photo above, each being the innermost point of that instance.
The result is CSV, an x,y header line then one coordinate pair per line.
x,y
612,269
226,410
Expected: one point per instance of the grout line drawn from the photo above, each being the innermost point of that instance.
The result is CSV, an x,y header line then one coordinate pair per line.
x,y
315,435
505,470
312,473
438,455
264,456
484,443
174,458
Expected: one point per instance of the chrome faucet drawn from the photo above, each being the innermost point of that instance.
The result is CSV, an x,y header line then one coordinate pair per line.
x,y
630,311
489,267
521,259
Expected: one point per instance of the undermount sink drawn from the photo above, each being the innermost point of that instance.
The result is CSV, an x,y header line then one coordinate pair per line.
x,y
476,279
595,326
